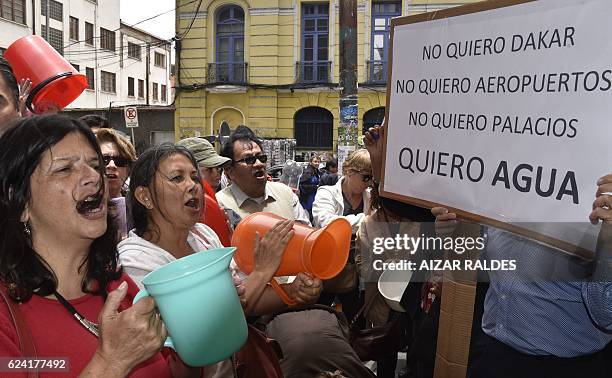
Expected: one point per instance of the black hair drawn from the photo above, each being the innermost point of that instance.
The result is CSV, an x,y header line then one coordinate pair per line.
x,y
331,163
143,174
94,120
399,208
9,78
406,210
22,269
242,133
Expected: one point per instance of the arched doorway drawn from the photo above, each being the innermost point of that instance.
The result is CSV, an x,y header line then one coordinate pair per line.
x,y
314,128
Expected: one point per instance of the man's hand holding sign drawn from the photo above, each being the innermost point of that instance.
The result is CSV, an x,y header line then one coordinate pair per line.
x,y
602,206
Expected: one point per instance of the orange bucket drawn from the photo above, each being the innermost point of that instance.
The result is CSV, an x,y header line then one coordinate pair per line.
x,y
55,82
320,252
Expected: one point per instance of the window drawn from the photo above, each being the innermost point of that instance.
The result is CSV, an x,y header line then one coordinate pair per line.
x,y
160,60
89,33
159,137
314,128
56,38
134,51
130,87
155,91
76,66
107,39
382,13
141,88
74,28
108,82
315,40
89,72
373,117
164,94
230,65
13,10
57,9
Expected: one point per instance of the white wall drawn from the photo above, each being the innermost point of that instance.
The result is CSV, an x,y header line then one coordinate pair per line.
x,y
133,68
161,76
11,31
137,69
103,14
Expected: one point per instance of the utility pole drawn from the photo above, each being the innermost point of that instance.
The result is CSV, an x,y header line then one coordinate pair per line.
x,y
347,131
148,70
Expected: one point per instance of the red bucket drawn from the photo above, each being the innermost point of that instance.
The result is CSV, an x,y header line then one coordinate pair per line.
x,y
55,82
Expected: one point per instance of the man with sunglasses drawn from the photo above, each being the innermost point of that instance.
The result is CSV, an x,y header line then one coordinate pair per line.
x,y
311,340
251,192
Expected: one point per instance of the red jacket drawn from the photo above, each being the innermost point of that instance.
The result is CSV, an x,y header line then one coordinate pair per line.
x,y
214,217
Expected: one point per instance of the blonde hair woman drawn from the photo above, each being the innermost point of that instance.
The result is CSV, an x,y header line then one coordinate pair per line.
x,y
348,198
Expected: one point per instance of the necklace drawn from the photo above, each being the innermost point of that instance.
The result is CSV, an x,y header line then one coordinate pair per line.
x,y
88,325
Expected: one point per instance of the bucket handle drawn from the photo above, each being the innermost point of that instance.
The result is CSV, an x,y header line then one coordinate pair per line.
x,y
40,86
282,293
144,293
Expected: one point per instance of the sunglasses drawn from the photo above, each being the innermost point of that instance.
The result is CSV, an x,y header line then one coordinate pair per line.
x,y
365,177
252,159
119,161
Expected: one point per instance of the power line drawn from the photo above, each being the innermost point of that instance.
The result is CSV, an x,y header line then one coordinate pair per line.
x,y
93,49
139,22
111,63
195,15
105,53
108,57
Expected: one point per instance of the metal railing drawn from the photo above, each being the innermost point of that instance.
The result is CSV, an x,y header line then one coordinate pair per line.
x,y
376,72
227,73
313,72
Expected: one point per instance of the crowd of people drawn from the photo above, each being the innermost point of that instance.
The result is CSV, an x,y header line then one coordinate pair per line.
x,y
84,220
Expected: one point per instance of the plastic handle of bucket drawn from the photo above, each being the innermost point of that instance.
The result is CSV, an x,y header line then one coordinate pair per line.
x,y
282,293
144,293
40,86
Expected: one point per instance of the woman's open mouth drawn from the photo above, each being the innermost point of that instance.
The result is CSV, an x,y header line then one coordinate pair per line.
x,y
194,204
92,206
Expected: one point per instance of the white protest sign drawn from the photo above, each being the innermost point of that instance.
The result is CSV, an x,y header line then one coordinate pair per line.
x,y
505,114
131,116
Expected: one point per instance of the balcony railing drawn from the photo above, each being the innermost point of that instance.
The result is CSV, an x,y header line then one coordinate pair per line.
x,y
227,73
376,72
313,72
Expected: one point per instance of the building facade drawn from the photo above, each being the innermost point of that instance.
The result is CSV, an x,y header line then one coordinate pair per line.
x,y
123,64
274,65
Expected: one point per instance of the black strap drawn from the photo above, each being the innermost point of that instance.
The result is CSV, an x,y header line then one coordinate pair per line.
x,y
366,307
40,86
88,325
